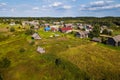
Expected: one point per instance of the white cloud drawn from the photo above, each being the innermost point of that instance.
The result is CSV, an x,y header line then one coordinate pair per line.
x,y
67,7
100,5
73,0
3,4
12,10
35,8
101,2
56,4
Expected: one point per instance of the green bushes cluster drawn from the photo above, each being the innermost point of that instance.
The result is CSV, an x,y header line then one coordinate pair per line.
x,y
12,29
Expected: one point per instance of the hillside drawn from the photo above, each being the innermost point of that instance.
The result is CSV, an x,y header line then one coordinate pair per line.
x,y
66,58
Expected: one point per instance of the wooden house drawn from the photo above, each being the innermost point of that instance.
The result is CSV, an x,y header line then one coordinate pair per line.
x,y
36,36
82,34
114,41
40,50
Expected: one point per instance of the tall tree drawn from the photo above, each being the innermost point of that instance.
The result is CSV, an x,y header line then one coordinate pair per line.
x,y
95,32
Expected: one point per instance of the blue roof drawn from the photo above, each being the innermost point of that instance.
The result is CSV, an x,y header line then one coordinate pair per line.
x,y
47,29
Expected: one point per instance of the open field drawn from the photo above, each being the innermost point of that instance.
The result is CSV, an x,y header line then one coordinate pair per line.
x,y
66,57
79,59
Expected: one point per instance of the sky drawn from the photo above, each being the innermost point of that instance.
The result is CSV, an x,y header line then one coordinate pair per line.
x,y
59,8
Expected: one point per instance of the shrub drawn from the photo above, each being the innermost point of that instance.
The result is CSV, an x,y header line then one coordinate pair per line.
x,y
29,31
3,37
58,62
7,27
12,29
5,63
32,43
22,50
1,77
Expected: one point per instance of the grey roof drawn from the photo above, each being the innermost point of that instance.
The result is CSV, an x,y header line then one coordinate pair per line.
x,y
36,36
83,32
40,50
117,38
96,39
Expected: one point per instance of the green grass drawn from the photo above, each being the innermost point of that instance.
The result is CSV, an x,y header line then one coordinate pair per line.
x,y
98,62
110,47
80,58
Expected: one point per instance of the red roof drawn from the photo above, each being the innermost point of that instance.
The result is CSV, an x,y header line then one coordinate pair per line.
x,y
53,29
64,29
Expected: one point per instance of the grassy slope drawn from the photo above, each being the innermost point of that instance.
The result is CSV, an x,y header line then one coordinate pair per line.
x,y
33,66
99,62
78,57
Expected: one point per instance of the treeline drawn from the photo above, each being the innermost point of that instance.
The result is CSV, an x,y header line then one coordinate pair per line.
x,y
108,21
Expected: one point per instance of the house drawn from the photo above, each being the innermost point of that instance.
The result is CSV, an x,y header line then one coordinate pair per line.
x,y
65,29
47,28
54,28
36,36
82,34
34,22
46,24
95,39
36,27
114,41
12,23
24,23
40,50
81,27
108,30
56,23
68,25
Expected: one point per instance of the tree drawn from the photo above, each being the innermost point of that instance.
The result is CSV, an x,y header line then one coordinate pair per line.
x,y
95,32
105,31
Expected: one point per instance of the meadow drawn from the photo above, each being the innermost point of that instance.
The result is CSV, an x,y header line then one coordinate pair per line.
x,y
66,58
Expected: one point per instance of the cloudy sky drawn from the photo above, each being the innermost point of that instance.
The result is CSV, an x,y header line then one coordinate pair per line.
x,y
59,8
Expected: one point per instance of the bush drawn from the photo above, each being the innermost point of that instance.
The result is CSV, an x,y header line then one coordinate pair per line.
x,y
58,62
3,37
29,31
32,43
22,50
105,31
5,63
1,77
12,29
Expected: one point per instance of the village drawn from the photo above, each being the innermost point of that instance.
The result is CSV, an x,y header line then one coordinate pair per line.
x,y
79,30
66,46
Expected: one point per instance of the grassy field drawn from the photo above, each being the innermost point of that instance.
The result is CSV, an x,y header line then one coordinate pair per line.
x,y
77,59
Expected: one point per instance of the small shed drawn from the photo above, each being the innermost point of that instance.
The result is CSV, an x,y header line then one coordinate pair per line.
x,y
36,36
115,41
82,34
95,39
40,50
